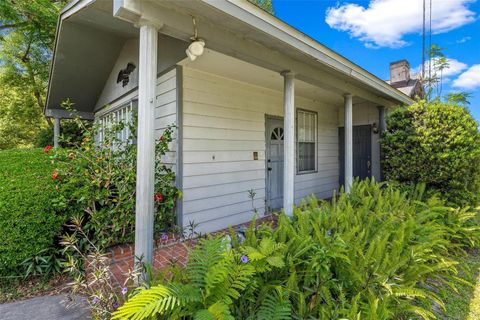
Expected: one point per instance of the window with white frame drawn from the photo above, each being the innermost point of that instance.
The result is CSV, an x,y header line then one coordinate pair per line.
x,y
306,141
124,114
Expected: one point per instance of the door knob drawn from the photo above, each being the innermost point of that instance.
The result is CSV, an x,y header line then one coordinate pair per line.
x,y
369,165
269,169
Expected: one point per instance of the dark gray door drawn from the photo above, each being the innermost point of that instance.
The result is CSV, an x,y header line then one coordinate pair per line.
x,y
274,166
362,152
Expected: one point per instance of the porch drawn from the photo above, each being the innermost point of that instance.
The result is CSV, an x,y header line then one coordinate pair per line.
x,y
235,141
254,68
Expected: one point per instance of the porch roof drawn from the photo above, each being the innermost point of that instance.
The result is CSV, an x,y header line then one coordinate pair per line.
x,y
90,34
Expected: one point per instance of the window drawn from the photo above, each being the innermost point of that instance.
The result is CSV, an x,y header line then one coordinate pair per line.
x,y
277,134
306,141
122,114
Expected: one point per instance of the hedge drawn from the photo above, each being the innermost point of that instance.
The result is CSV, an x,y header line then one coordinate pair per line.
x,y
29,217
437,144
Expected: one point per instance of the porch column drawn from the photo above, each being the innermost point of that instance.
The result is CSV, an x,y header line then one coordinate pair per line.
x,y
382,119
56,131
348,141
147,77
289,142
382,126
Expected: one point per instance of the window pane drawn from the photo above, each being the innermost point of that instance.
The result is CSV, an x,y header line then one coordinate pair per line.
x,y
307,140
301,126
306,156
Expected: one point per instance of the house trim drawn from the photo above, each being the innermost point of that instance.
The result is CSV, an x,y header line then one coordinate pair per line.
x,y
179,155
66,114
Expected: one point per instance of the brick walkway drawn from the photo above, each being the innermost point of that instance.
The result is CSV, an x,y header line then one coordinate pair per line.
x,y
167,251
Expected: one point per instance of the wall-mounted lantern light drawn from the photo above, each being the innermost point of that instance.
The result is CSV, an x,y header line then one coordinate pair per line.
x,y
375,128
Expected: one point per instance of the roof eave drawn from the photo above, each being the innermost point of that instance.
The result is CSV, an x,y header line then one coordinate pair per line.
x,y
71,8
262,20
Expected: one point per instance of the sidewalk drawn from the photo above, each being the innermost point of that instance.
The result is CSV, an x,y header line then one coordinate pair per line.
x,y
42,308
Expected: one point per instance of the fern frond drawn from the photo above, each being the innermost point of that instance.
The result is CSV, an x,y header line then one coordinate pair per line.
x,y
203,314
425,314
275,306
409,293
206,254
157,300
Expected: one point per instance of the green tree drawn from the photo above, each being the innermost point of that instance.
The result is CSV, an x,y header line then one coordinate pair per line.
x,y
459,98
27,34
265,5
433,81
434,77
20,119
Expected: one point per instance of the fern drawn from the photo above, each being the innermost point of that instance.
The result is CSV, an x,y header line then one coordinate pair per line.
x,y
157,300
207,254
275,306
375,253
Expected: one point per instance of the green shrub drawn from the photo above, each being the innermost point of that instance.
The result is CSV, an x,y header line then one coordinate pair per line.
x,y
437,144
372,254
97,181
71,133
30,219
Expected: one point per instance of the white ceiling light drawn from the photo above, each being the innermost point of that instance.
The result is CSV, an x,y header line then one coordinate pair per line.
x,y
196,48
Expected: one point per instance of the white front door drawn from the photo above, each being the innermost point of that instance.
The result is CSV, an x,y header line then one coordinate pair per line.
x,y
274,166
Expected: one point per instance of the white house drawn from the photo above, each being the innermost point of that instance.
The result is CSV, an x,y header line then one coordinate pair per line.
x,y
264,107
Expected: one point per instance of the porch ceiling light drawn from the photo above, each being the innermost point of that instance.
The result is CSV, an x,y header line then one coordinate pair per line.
x,y
196,48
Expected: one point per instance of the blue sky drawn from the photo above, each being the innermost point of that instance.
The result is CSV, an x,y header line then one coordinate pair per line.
x,y
373,33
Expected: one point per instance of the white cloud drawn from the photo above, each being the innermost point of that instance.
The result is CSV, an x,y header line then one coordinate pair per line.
x,y
454,68
464,39
384,23
470,79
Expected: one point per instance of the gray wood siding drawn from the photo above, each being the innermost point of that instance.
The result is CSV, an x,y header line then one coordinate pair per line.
x,y
165,109
223,124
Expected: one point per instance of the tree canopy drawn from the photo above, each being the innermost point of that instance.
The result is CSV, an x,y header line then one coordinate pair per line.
x,y
27,35
265,5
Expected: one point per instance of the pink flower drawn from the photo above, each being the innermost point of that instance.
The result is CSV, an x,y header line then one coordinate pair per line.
x,y
158,197
47,148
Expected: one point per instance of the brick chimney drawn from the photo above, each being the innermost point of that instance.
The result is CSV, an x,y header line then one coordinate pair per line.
x,y
399,71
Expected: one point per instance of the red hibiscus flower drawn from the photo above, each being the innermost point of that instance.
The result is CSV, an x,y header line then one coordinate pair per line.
x,y
47,148
55,175
158,197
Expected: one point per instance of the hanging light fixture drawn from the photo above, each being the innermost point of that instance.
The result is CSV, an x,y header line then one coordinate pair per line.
x,y
196,48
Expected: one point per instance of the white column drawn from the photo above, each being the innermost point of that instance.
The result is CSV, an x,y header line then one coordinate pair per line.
x,y
382,126
348,142
382,119
289,142
56,131
144,210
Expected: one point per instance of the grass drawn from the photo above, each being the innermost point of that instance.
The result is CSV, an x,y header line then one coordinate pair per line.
x,y
464,304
